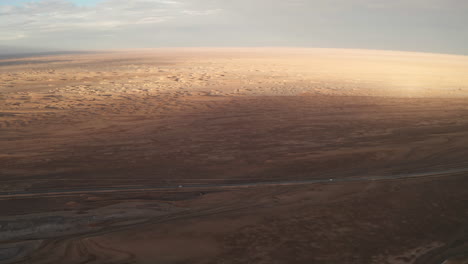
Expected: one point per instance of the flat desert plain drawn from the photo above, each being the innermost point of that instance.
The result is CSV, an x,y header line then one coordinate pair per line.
x,y
227,155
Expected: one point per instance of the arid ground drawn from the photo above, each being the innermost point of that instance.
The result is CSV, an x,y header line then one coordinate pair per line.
x,y
234,156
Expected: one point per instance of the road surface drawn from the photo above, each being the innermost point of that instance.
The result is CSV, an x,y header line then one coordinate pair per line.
x,y
67,192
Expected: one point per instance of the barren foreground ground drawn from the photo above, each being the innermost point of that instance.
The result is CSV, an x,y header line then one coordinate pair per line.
x,y
84,138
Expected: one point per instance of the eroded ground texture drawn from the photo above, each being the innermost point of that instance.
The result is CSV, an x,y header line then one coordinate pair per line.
x,y
210,156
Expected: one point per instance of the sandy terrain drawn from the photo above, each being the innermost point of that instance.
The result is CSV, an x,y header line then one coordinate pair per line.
x,y
171,117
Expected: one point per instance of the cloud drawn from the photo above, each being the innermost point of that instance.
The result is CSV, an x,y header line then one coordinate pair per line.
x,y
406,4
11,36
48,16
424,25
201,13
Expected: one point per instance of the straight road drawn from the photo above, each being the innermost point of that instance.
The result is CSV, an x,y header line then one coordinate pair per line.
x,y
67,192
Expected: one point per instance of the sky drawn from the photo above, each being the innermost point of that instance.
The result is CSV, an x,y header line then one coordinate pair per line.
x,y
439,26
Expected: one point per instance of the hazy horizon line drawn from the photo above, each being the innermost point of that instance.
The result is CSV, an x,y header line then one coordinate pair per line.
x,y
24,52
